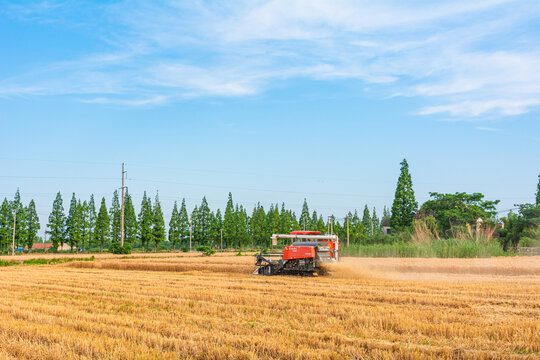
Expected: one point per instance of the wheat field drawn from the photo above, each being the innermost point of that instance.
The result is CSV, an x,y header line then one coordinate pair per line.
x,y
185,306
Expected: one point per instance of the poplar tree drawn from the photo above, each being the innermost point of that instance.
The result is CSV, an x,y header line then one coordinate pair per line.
x,y
71,222
229,223
91,215
204,221
321,226
183,222
158,224
79,225
313,222
242,229
194,221
174,226
304,216
130,221
274,223
294,222
102,225
285,225
20,225
146,219
5,225
32,223
366,221
376,222
57,222
115,216
85,225
217,225
405,205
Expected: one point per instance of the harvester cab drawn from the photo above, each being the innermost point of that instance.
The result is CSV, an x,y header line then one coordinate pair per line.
x,y
303,257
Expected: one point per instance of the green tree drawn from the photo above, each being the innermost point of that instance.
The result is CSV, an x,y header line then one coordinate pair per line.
x,y
183,223
274,220
366,221
32,223
376,222
217,226
21,234
72,226
158,224
538,192
5,225
321,226
146,219
229,223
85,225
285,225
57,222
102,229
304,216
205,220
405,205
91,217
242,228
517,226
386,214
174,226
115,216
130,222
458,209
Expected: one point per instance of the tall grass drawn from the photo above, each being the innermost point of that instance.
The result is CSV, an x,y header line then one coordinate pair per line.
x,y
443,248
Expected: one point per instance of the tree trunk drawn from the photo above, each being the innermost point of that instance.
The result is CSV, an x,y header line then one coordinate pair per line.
x,y
101,250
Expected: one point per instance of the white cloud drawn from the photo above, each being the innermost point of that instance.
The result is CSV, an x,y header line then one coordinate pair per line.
x,y
488,129
463,59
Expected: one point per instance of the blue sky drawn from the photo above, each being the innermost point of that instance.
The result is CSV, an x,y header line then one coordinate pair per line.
x,y
272,100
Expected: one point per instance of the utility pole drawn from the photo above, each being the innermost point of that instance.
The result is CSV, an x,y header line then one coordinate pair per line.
x,y
347,231
190,228
221,231
122,213
14,224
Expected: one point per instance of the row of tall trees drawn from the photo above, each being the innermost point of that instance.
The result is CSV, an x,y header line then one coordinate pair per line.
x,y
87,225
25,219
84,226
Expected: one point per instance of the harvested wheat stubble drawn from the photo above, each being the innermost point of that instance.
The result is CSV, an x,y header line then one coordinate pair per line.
x,y
60,312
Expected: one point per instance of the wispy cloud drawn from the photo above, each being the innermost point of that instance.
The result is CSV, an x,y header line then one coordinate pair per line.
x,y
463,59
488,129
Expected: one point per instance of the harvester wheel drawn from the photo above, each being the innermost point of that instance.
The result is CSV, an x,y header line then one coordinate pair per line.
x,y
267,270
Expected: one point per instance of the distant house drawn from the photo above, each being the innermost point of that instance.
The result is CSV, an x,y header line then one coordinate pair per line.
x,y
385,226
43,246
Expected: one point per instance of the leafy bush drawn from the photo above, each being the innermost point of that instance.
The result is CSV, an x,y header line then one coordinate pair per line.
x,y
529,242
206,250
115,248
185,249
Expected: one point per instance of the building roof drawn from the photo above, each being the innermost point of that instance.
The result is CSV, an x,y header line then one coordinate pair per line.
x,y
42,246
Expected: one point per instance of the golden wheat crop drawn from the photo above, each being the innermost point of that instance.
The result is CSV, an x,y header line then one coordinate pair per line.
x,y
194,307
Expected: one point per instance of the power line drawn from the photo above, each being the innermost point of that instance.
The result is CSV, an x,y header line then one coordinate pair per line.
x,y
257,189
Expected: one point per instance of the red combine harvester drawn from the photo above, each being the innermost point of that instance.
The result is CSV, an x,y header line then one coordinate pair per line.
x,y
303,257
